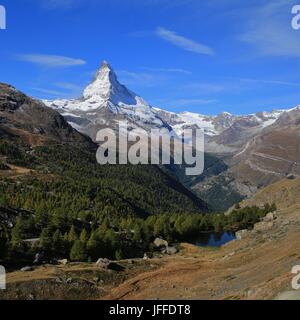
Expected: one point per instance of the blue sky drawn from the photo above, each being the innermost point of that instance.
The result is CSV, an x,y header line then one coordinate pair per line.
x,y
205,56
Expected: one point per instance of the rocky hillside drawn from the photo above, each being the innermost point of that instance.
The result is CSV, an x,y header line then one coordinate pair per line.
x,y
285,193
27,120
269,156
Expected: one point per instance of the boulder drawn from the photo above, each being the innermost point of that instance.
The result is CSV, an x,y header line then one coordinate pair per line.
x,y
69,281
159,243
103,263
171,250
271,216
291,177
39,258
63,262
106,264
242,234
27,269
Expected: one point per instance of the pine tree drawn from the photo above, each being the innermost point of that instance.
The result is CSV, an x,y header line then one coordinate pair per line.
x,y
46,240
18,248
72,236
111,243
57,243
17,234
119,254
66,237
84,236
137,236
3,244
78,252
41,216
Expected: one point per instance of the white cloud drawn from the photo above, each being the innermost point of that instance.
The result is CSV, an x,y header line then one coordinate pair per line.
x,y
140,79
202,87
48,92
272,82
67,90
184,43
50,61
168,70
68,86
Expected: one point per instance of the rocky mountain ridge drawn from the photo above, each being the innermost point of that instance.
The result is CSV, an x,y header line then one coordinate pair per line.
x,y
105,102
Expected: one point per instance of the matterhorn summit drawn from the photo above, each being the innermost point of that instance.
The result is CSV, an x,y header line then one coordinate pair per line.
x,y
105,102
106,88
104,84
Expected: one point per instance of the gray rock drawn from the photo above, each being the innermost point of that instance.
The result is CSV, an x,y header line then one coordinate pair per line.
x,y
159,243
27,269
171,250
63,262
69,280
39,257
291,177
271,216
103,263
109,265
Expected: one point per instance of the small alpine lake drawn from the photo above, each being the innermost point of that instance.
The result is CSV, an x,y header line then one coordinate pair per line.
x,y
213,239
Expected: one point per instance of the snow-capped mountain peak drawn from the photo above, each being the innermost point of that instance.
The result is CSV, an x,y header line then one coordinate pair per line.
x,y
105,91
106,87
106,102
103,83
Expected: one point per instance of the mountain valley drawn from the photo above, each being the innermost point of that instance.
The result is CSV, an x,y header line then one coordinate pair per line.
x,y
54,193
243,152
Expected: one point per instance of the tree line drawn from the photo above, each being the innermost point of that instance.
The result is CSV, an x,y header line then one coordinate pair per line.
x,y
122,238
